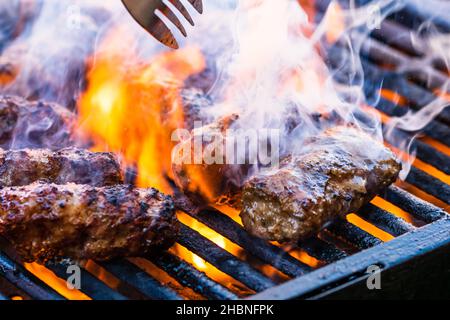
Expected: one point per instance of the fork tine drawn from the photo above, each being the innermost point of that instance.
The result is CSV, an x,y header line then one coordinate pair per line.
x,y
144,14
162,33
180,7
197,4
173,18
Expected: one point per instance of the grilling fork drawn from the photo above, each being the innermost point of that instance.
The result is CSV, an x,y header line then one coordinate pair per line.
x,y
144,12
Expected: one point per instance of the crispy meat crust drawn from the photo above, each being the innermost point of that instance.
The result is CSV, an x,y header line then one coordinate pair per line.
x,y
46,221
22,167
336,174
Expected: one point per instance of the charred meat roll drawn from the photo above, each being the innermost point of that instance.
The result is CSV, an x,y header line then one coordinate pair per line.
x,y
22,167
25,124
336,173
47,222
207,183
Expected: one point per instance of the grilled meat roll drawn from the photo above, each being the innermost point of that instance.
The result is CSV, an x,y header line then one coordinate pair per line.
x,y
22,167
46,221
207,183
25,124
336,173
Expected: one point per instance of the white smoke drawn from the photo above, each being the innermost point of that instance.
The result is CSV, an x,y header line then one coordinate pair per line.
x,y
268,67
50,55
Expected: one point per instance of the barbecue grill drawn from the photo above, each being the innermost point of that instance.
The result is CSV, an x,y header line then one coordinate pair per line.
x,y
414,264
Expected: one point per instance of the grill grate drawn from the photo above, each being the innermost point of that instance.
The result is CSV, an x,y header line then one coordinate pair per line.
x,y
341,249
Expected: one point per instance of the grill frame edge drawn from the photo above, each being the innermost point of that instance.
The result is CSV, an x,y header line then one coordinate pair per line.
x,y
340,279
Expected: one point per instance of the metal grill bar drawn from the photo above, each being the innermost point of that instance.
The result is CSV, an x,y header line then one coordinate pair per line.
x,y
425,152
416,96
429,184
9,291
412,16
381,53
139,279
374,78
396,35
190,277
354,235
223,260
421,179
390,255
260,248
24,280
385,221
92,286
395,81
322,250
432,156
378,51
420,209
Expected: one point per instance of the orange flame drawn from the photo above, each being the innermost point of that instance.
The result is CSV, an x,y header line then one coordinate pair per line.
x,y
334,22
132,107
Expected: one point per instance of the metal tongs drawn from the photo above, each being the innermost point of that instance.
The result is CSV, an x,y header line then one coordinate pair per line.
x,y
145,13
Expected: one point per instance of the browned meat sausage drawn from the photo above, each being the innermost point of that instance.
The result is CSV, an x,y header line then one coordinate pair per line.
x,y
22,167
25,124
335,174
47,221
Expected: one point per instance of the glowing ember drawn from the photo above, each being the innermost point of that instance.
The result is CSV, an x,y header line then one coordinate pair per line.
x,y
305,257
437,145
368,227
393,96
211,270
210,234
102,274
386,205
